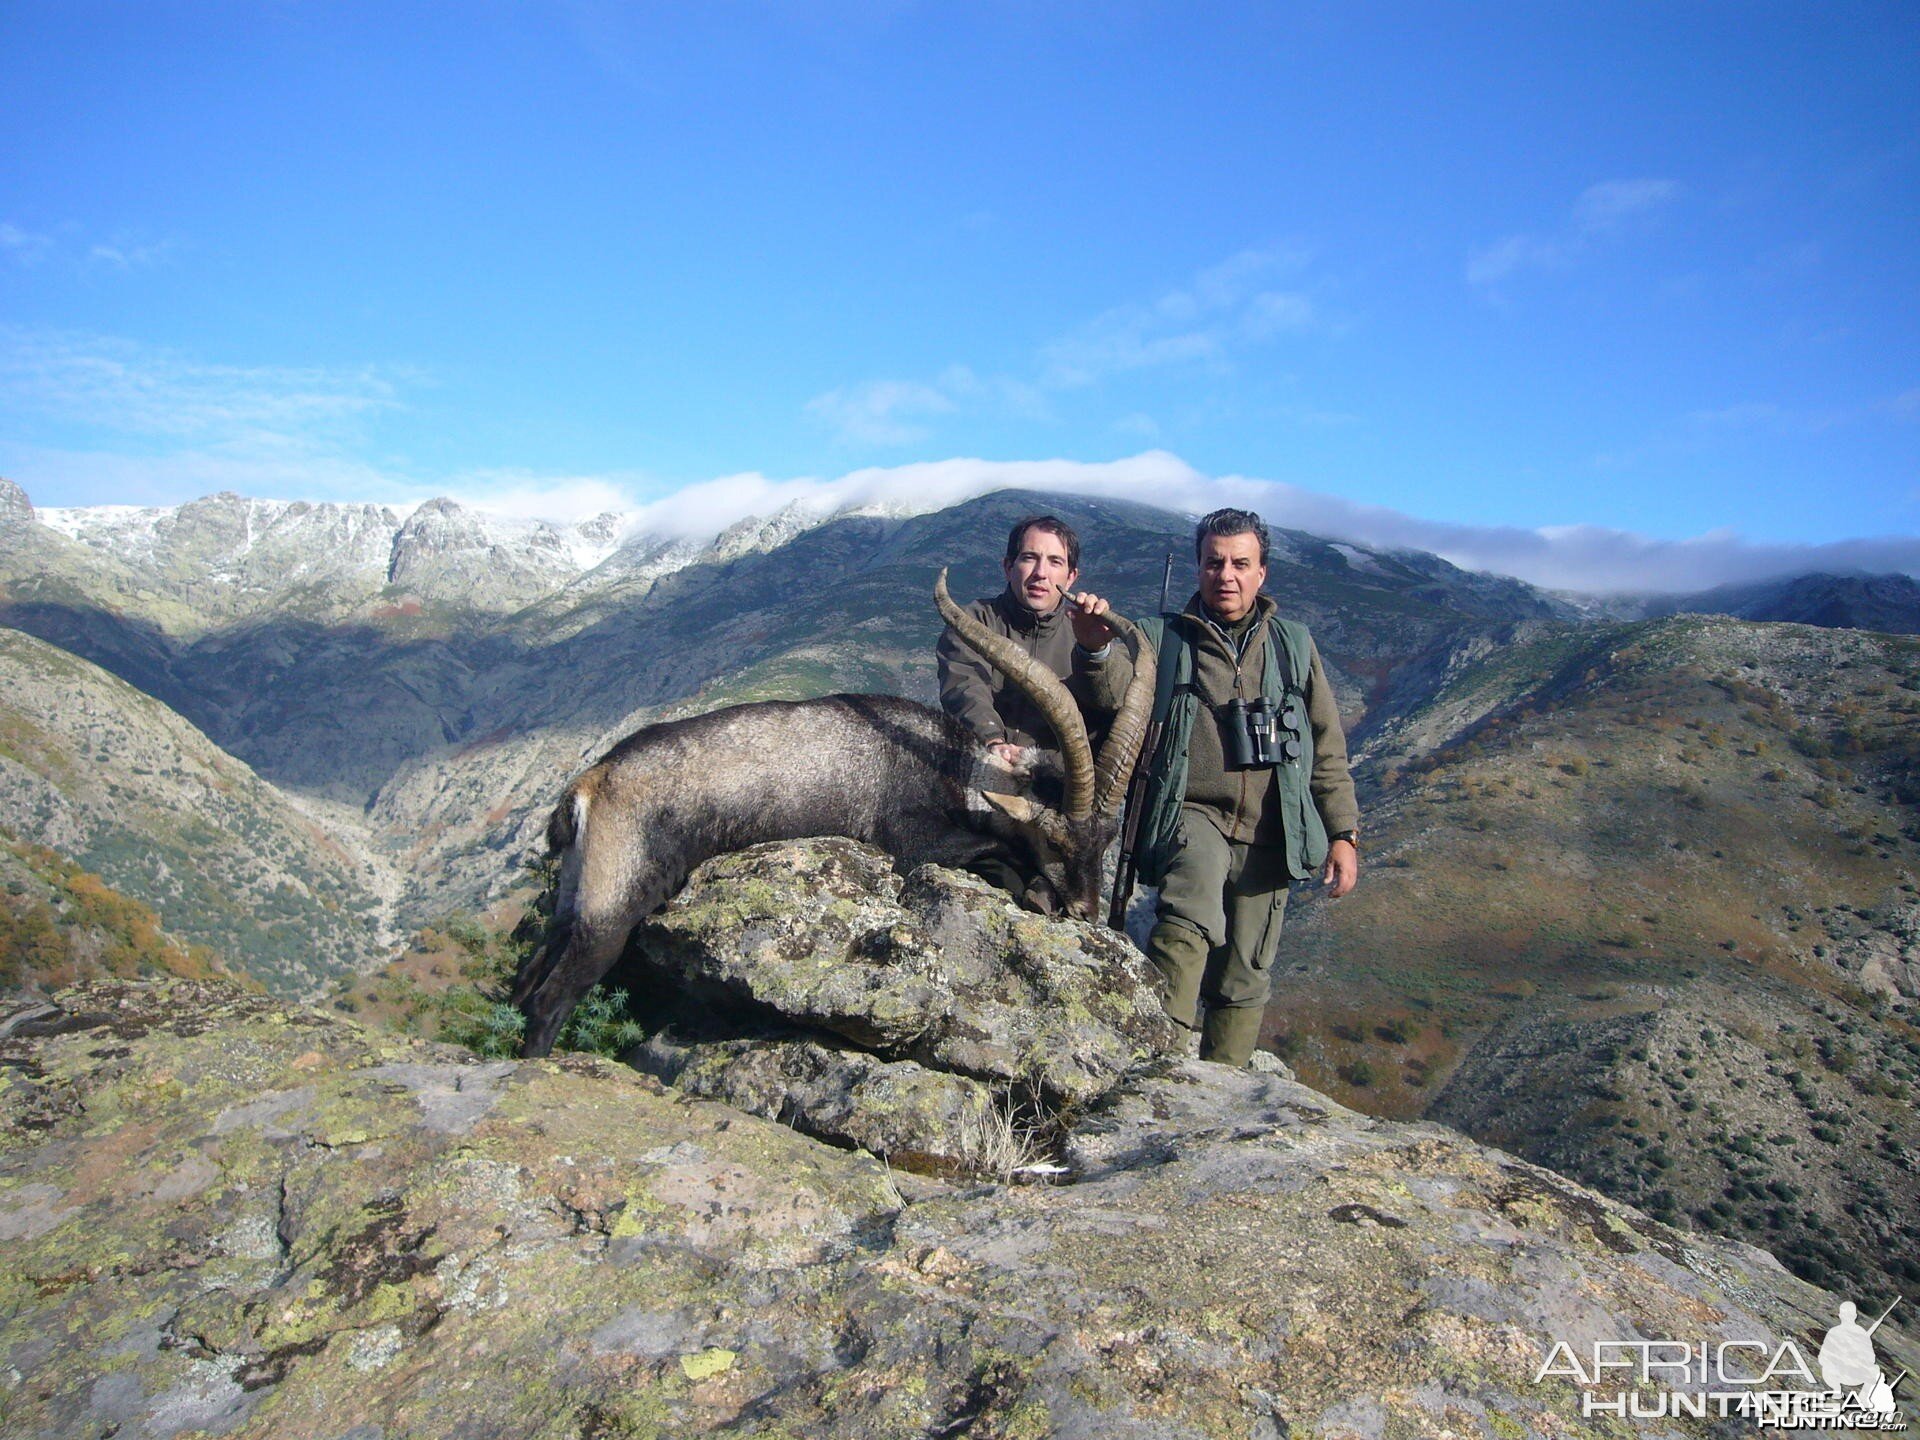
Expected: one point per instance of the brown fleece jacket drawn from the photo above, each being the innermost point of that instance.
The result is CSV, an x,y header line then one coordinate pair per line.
x,y
973,691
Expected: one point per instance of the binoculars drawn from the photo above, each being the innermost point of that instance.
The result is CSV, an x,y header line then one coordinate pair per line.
x,y
1257,736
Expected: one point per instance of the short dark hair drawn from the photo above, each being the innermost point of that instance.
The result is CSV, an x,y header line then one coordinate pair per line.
x,y
1053,525
1232,522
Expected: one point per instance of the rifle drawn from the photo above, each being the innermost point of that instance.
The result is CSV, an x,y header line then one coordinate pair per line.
x,y
1883,1315
1127,872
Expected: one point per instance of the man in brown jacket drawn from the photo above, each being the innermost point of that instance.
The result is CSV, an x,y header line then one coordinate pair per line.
x,y
1247,791
1041,613
1042,564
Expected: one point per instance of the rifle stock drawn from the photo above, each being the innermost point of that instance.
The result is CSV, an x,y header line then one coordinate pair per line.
x,y
1127,873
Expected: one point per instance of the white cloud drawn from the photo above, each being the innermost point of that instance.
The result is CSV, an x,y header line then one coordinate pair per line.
x,y
1610,204
1584,558
1743,423
1492,264
526,495
1016,397
67,242
156,426
129,255
1123,340
183,474
704,509
880,412
29,247
1225,306
132,389
893,412
1765,417
1601,214
1273,312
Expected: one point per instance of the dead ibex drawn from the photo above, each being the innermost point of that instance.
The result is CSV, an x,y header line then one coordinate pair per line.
x,y
897,774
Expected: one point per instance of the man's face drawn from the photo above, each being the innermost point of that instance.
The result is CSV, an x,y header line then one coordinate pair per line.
x,y
1038,575
1231,574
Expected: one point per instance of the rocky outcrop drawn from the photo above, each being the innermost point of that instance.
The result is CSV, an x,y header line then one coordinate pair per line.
x,y
937,967
1880,950
16,510
925,1017
224,1216
447,552
914,1117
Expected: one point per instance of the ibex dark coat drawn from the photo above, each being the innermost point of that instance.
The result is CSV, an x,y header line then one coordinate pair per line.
x,y
888,771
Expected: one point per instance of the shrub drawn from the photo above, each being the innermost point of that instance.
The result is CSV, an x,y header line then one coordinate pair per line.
x,y
491,1028
994,1142
466,932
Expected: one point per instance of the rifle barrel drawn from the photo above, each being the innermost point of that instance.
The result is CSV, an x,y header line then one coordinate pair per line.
x,y
1883,1315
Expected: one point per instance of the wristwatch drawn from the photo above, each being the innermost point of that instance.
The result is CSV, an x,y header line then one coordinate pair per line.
x,y
1352,837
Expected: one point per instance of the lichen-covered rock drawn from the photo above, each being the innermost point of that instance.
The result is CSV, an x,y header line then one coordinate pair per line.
x,y
939,968
1182,1105
221,1216
919,1119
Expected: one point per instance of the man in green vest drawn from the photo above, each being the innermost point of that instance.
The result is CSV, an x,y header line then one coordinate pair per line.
x,y
1247,791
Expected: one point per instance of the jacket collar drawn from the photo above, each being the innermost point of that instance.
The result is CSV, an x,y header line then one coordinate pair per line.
x,y
1020,618
1203,621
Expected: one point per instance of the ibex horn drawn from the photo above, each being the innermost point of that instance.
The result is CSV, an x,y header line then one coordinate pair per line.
x,y
1042,686
1121,752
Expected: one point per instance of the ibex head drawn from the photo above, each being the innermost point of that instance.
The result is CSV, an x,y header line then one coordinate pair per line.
x,y
1069,842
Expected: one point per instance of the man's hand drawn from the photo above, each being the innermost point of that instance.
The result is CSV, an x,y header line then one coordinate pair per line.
x,y
1006,750
1085,610
1343,868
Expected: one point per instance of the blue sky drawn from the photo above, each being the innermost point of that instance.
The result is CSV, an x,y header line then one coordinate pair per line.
x,y
1649,270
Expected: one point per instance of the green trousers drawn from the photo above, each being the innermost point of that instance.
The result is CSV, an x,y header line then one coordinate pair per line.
x,y
1221,908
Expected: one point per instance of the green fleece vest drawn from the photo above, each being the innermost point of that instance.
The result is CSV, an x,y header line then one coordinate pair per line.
x,y
1175,704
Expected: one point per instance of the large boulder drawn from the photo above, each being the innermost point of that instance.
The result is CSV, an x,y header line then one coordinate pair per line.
x,y
936,967
220,1215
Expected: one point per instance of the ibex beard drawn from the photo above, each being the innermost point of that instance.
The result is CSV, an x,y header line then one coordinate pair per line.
x,y
877,768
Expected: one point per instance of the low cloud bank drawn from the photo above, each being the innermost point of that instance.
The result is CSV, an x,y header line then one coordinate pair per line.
x,y
1585,558
1589,559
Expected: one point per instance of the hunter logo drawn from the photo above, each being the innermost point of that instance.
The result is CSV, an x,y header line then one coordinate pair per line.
x,y
1849,1366
1769,1383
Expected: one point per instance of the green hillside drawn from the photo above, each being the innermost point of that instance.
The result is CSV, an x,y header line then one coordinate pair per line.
x,y
60,924
97,772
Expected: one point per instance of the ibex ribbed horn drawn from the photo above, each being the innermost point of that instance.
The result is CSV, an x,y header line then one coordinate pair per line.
x,y
1121,752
